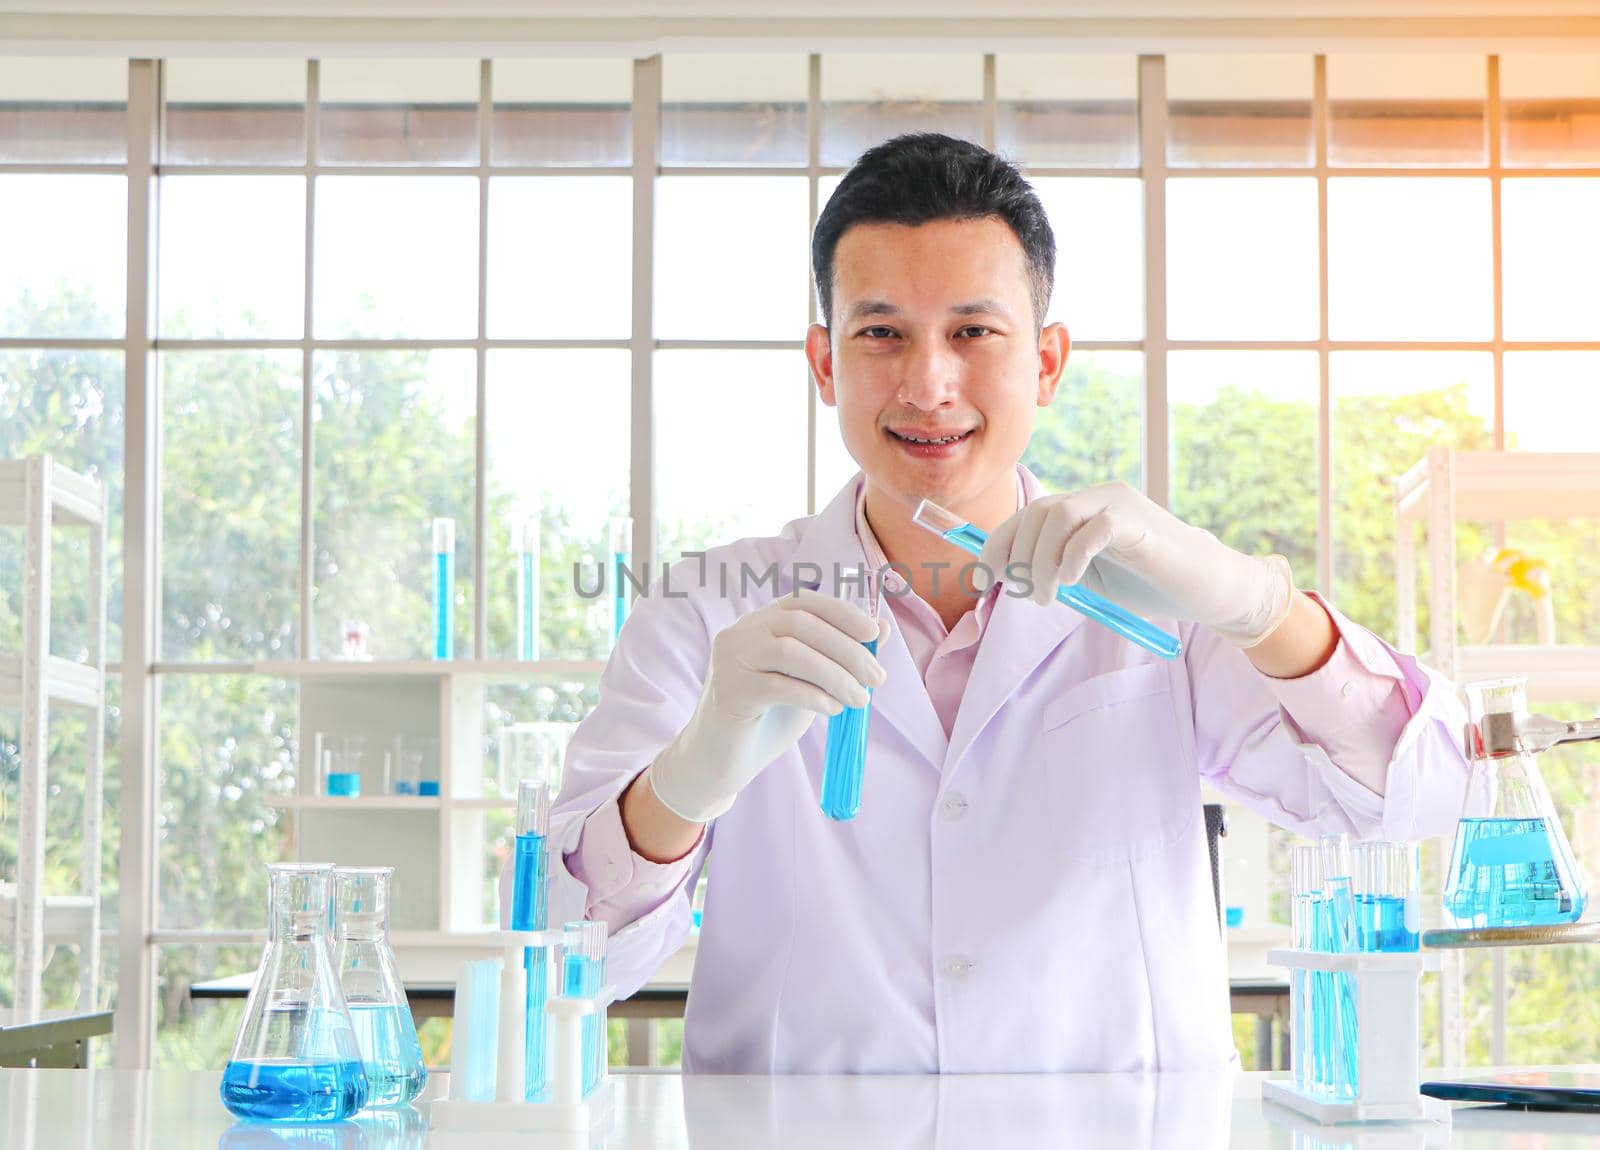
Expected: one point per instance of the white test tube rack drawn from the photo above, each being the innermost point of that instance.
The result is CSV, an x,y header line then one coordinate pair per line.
x,y
566,1107
1388,987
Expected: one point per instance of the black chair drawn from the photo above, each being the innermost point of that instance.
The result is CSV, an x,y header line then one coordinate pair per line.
x,y
1216,831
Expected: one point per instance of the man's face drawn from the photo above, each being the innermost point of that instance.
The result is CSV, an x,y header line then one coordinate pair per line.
x,y
932,357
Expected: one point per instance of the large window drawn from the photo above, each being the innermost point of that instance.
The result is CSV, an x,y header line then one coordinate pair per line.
x,y
389,291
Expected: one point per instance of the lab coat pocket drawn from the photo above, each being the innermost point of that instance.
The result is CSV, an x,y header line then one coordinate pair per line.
x,y
1114,766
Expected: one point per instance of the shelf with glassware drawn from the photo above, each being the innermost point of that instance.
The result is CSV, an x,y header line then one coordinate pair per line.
x,y
42,497
417,770
1471,597
413,762
1448,487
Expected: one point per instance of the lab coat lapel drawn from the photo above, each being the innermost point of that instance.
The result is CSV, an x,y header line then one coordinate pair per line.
x,y
1020,635
830,539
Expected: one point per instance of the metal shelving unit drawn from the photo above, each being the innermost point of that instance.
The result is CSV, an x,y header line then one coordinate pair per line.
x,y
39,496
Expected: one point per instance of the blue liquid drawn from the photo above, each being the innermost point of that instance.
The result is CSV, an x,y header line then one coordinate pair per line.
x,y
1512,872
529,910
537,960
528,619
475,1059
1086,602
1334,1037
390,1053
581,979
846,758
619,592
294,1091
444,609
344,784
1381,920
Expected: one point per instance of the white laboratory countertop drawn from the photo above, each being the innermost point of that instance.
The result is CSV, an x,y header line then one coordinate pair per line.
x,y
180,1110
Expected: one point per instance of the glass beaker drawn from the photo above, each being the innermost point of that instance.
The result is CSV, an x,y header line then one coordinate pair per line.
x,y
296,1058
1511,864
385,1031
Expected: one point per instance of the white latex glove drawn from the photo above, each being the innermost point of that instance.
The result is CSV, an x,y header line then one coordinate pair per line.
x,y
1114,541
771,672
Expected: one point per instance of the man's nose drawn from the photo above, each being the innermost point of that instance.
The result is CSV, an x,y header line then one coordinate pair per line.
x,y
932,377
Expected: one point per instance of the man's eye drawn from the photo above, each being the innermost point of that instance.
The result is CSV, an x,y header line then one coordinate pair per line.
x,y
879,332
973,331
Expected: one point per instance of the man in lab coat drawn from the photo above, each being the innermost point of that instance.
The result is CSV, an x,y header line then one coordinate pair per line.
x,y
1026,885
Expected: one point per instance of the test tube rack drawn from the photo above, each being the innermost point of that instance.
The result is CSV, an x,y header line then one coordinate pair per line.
x,y
1388,996
566,1108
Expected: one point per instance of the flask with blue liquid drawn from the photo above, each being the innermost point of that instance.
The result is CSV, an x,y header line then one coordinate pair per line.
x,y
1511,864
385,1032
296,1058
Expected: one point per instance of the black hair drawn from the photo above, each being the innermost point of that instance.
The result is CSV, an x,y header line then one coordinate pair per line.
x,y
924,176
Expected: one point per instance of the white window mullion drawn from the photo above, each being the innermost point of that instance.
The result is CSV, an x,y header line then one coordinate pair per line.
x,y
1156,458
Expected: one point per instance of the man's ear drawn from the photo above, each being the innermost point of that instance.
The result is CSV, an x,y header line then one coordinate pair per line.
x,y
1054,347
819,355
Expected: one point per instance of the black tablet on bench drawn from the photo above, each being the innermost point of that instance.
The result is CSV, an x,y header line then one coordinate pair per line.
x,y
1527,1089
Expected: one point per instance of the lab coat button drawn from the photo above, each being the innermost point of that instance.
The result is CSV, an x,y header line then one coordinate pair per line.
x,y
1347,690
953,805
958,967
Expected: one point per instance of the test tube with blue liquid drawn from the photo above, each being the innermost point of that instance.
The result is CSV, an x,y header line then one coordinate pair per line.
x,y
530,911
583,973
444,587
845,758
1387,902
970,539
1305,868
1337,934
621,534
528,589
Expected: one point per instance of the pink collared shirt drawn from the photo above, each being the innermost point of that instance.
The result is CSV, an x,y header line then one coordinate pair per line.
x,y
1354,706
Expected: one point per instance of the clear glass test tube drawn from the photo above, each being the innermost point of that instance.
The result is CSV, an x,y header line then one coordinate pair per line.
x,y
621,547
1339,936
528,589
971,539
1384,887
444,587
845,753
1305,890
583,968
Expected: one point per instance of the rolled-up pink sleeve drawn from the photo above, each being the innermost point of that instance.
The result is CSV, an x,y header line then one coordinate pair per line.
x,y
1354,706
624,886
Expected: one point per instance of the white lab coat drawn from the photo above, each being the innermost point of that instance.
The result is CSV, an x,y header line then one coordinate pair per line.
x,y
1030,894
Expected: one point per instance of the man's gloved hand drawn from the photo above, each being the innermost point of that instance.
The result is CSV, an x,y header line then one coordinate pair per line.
x,y
1114,541
771,672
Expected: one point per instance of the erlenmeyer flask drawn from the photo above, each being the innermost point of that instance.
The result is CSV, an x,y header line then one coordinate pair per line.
x,y
296,1057
1511,865
385,1032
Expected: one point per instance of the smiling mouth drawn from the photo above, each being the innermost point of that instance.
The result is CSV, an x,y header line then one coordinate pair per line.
x,y
930,441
